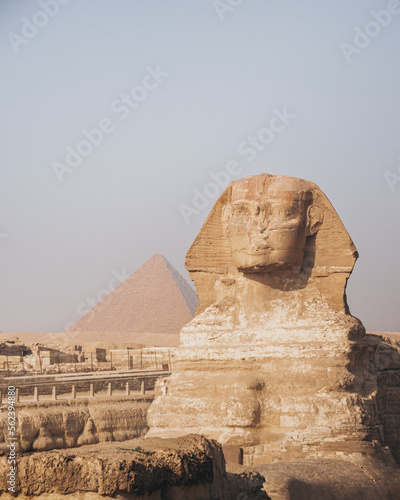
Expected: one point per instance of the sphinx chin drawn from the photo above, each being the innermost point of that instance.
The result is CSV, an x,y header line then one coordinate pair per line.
x,y
267,261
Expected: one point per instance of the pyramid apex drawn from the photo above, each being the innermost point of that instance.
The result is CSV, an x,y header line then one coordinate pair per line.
x,y
157,256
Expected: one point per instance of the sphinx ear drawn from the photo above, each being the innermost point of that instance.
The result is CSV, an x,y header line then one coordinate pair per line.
x,y
315,218
226,213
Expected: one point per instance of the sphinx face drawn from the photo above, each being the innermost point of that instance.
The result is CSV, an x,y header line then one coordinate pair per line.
x,y
269,233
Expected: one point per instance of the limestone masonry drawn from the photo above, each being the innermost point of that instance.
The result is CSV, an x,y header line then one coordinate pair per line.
x,y
273,361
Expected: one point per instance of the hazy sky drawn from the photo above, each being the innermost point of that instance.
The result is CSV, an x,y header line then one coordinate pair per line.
x,y
200,80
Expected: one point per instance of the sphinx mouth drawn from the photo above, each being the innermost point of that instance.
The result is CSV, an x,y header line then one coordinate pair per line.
x,y
259,245
259,250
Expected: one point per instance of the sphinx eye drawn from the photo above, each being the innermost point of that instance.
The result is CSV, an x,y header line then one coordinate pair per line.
x,y
258,210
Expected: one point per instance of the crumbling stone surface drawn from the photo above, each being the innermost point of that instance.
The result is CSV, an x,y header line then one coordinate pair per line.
x,y
48,425
191,467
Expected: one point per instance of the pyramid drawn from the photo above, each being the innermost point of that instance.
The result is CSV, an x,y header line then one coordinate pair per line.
x,y
153,301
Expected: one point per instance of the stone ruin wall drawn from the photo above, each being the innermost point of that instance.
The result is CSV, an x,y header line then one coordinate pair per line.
x,y
47,425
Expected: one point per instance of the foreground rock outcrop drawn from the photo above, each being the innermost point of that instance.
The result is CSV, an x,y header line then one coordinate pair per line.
x,y
273,362
191,467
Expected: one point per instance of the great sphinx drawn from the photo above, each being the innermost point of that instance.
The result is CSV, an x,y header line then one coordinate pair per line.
x,y
273,361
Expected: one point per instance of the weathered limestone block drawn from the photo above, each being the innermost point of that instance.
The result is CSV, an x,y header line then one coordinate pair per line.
x,y
273,360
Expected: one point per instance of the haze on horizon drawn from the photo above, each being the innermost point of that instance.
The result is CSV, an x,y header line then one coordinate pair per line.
x,y
206,79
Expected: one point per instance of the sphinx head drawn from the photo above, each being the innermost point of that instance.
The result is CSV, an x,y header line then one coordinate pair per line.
x,y
267,222
272,225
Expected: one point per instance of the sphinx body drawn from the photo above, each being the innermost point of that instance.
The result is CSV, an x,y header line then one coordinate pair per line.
x,y
273,361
